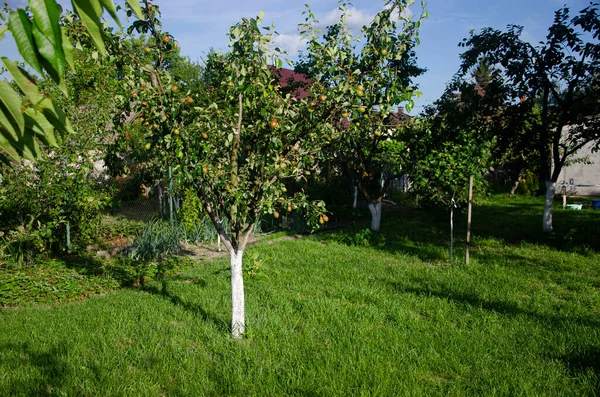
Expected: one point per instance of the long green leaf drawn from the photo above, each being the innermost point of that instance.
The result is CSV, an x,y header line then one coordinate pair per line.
x,y
56,116
136,8
46,16
37,124
22,30
25,82
8,146
109,6
49,59
90,13
67,48
28,146
10,107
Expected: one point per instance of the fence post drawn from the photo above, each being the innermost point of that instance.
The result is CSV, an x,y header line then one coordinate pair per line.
x,y
469,215
170,197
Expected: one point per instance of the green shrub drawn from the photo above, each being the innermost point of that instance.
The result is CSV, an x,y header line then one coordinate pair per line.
x,y
190,213
528,184
38,202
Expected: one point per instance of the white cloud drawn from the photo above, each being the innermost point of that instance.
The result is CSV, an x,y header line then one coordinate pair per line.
x,y
355,19
290,43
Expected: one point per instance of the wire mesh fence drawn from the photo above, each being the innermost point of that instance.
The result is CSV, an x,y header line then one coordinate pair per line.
x,y
146,208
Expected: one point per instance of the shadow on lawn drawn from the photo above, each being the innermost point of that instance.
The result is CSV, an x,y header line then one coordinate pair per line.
x,y
175,299
500,307
425,232
49,369
583,359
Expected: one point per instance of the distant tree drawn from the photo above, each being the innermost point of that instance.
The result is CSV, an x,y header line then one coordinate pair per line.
x,y
559,76
361,90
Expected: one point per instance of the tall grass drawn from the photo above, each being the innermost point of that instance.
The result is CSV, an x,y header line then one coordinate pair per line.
x,y
329,316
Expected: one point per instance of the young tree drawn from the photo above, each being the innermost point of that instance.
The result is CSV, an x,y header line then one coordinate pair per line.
x,y
361,89
235,151
560,76
441,168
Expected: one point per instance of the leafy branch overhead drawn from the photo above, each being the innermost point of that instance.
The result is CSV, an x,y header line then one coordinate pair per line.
x,y
28,118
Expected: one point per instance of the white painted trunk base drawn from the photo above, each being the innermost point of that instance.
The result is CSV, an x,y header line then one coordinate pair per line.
x,y
550,191
238,323
375,209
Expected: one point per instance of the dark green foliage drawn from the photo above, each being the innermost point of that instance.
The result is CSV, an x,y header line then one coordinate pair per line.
x,y
190,213
529,184
38,202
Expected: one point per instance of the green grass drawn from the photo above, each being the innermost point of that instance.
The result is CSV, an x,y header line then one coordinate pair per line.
x,y
388,317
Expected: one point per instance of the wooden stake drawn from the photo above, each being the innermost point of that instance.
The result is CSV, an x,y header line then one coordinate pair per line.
x,y
469,213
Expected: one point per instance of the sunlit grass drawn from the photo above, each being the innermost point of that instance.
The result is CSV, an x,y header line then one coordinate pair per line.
x,y
326,318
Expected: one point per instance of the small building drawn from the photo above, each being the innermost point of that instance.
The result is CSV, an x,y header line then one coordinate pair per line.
x,y
582,178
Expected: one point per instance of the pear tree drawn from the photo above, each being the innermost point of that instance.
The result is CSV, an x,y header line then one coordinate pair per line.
x,y
363,88
237,147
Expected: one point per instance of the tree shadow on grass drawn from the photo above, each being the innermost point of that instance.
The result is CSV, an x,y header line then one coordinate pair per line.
x,y
500,307
583,359
52,369
415,231
164,292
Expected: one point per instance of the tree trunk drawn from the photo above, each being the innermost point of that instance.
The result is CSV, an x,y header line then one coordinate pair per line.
x,y
550,190
516,184
238,324
375,208
355,197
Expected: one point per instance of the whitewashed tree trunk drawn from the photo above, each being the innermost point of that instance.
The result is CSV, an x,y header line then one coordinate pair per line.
x,y
238,324
375,208
550,191
355,197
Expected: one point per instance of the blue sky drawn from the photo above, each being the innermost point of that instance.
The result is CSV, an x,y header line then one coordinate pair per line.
x,y
199,25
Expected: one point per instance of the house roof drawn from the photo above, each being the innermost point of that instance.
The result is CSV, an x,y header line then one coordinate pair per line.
x,y
296,83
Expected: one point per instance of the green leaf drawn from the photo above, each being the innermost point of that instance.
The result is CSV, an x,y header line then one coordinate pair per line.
x,y
46,31
90,13
109,6
7,146
22,30
136,8
22,79
28,146
56,116
67,48
38,125
10,109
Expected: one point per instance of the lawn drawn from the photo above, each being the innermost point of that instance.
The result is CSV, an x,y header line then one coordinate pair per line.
x,y
342,313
